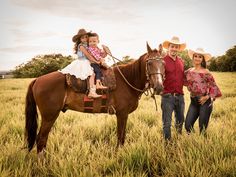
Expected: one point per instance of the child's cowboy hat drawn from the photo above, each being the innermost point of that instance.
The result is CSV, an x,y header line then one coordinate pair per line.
x,y
174,40
200,51
80,33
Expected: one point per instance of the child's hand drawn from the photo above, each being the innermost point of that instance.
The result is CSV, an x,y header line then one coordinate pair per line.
x,y
104,65
102,60
106,49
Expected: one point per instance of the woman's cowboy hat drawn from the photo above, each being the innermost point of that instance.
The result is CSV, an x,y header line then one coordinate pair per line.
x,y
80,33
174,40
200,51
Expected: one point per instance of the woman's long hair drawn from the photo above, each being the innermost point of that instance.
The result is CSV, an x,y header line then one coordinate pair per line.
x,y
203,63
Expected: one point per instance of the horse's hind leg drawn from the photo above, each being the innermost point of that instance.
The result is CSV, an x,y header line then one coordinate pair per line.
x,y
46,125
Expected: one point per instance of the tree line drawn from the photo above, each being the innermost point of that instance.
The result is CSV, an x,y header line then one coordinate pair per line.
x,y
44,64
224,63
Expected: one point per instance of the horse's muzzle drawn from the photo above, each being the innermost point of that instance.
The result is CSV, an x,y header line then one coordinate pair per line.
x,y
158,89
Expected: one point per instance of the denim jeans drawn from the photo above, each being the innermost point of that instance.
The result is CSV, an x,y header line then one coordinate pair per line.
x,y
97,71
170,103
196,110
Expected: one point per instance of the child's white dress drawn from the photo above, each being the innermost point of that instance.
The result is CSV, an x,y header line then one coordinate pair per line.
x,y
80,67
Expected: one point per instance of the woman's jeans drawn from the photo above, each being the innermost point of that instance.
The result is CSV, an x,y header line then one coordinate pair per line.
x,y
170,103
197,110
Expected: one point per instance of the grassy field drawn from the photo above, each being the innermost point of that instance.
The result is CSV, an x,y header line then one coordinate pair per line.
x,y
84,144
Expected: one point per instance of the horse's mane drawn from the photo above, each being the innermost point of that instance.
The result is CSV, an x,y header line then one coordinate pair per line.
x,y
131,69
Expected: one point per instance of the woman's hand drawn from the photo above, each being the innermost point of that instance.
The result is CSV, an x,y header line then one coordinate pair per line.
x,y
203,99
88,55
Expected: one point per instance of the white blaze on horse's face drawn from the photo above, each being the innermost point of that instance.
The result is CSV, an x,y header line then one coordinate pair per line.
x,y
159,76
156,74
155,67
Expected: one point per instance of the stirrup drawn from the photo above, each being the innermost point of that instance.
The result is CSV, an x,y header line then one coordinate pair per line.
x,y
94,95
101,87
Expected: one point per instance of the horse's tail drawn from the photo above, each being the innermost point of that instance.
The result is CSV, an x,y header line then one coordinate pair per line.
x,y
31,116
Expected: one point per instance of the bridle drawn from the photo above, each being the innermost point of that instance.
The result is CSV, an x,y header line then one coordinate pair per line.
x,y
148,74
147,87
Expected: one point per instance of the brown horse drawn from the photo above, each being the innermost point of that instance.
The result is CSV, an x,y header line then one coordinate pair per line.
x,y
50,93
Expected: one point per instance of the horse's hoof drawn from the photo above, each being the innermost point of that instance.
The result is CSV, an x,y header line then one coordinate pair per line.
x,y
41,156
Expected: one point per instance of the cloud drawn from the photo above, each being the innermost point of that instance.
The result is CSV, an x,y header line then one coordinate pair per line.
x,y
14,22
22,35
17,49
105,10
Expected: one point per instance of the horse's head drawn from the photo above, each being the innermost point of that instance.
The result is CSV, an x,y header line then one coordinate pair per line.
x,y
155,69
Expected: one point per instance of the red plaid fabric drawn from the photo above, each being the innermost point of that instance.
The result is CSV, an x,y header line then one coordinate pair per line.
x,y
96,52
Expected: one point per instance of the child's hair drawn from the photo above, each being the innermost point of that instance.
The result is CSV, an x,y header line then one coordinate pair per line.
x,y
93,35
76,45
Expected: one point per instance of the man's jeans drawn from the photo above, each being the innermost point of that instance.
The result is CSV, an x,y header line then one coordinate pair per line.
x,y
196,110
170,103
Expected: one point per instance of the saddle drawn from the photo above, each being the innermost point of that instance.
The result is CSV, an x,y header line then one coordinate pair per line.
x,y
99,105
82,86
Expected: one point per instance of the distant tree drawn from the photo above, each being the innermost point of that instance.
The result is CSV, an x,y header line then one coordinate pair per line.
x,y
212,64
42,64
186,58
225,62
125,59
231,54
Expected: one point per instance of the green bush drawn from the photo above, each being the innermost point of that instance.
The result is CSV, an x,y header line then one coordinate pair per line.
x,y
42,64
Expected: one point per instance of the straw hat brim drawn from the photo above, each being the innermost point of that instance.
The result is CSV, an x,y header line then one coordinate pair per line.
x,y
207,56
166,45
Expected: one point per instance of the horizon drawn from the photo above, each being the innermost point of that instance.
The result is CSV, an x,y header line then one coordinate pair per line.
x,y
31,28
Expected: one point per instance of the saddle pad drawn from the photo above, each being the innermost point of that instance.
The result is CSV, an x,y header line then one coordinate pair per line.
x,y
109,78
98,105
78,85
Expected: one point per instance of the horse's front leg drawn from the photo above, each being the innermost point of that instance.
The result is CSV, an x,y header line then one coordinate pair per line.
x,y
121,126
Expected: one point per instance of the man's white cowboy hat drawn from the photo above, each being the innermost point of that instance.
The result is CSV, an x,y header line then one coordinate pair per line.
x,y
174,40
200,51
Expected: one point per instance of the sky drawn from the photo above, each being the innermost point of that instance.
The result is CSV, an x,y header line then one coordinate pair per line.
x,y
34,27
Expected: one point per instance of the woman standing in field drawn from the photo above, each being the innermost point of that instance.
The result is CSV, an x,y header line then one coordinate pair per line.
x,y
203,90
80,67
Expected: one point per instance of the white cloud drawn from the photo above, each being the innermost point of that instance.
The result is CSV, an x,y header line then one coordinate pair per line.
x,y
32,27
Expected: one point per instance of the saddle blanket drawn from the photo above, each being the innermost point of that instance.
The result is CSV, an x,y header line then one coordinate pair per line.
x,y
98,105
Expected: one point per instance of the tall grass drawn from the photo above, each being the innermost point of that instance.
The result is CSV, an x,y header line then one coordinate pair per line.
x,y
82,144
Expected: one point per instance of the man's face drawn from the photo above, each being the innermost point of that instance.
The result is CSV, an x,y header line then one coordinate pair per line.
x,y
173,49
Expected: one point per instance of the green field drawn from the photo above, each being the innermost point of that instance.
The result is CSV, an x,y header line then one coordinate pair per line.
x,y
82,144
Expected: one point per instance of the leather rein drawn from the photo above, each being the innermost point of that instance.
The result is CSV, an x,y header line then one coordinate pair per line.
x,y
147,87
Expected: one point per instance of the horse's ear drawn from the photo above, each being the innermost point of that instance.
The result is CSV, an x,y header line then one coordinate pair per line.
x,y
149,50
160,49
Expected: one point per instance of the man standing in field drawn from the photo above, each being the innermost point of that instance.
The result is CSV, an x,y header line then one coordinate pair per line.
x,y
172,97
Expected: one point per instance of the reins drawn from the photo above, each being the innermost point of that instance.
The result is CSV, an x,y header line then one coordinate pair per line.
x,y
139,90
146,89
